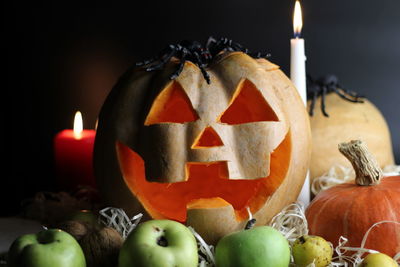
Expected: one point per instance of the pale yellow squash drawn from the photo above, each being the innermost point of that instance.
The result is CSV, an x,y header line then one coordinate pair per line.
x,y
347,121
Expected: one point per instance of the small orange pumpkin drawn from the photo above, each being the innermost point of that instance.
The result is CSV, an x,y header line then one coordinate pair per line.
x,y
349,209
204,153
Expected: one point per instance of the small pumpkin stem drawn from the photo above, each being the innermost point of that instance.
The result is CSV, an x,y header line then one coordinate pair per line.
x,y
364,163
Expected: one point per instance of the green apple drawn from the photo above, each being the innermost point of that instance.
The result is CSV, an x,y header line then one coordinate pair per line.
x,y
309,249
259,246
161,243
48,248
378,260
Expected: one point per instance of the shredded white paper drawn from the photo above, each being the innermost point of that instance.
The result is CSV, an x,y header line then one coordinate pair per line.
x,y
206,252
391,170
291,222
117,219
355,259
339,174
336,175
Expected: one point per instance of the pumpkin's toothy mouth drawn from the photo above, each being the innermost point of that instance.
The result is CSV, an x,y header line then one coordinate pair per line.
x,y
205,181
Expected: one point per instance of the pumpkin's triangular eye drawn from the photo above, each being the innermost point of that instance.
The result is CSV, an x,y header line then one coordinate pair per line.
x,y
207,138
247,105
171,105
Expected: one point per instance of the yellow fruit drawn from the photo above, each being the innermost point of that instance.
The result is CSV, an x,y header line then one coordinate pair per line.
x,y
312,249
378,260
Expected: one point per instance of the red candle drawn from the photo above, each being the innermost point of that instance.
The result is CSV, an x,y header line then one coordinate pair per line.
x,y
73,156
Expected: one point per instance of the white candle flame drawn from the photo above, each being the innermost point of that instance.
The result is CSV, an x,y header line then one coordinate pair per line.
x,y
297,20
78,125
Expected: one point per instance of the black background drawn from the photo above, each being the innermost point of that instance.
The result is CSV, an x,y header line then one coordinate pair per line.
x,y
61,57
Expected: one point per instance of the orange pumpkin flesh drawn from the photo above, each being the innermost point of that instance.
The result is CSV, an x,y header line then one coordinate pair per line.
x,y
175,105
205,181
207,138
239,110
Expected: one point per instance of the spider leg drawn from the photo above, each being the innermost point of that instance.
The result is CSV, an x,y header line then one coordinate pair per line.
x,y
237,46
211,41
145,62
163,60
259,55
226,45
201,66
323,94
206,55
230,45
205,74
313,96
154,59
266,55
350,93
184,53
223,44
354,99
218,46
224,40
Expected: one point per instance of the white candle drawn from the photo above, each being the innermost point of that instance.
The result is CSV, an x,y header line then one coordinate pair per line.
x,y
298,77
297,56
298,66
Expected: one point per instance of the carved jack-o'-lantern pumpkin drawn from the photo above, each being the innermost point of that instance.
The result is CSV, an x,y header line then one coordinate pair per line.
x,y
204,153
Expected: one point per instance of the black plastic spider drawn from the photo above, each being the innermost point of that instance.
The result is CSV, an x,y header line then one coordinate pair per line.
x,y
323,86
195,52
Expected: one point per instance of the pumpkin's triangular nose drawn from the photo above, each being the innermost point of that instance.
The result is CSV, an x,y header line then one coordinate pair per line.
x,y
207,138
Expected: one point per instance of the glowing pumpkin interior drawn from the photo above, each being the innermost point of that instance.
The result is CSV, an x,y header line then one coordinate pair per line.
x,y
207,184
207,138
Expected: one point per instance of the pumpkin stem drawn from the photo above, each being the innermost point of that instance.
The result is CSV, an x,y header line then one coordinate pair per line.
x,y
364,163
